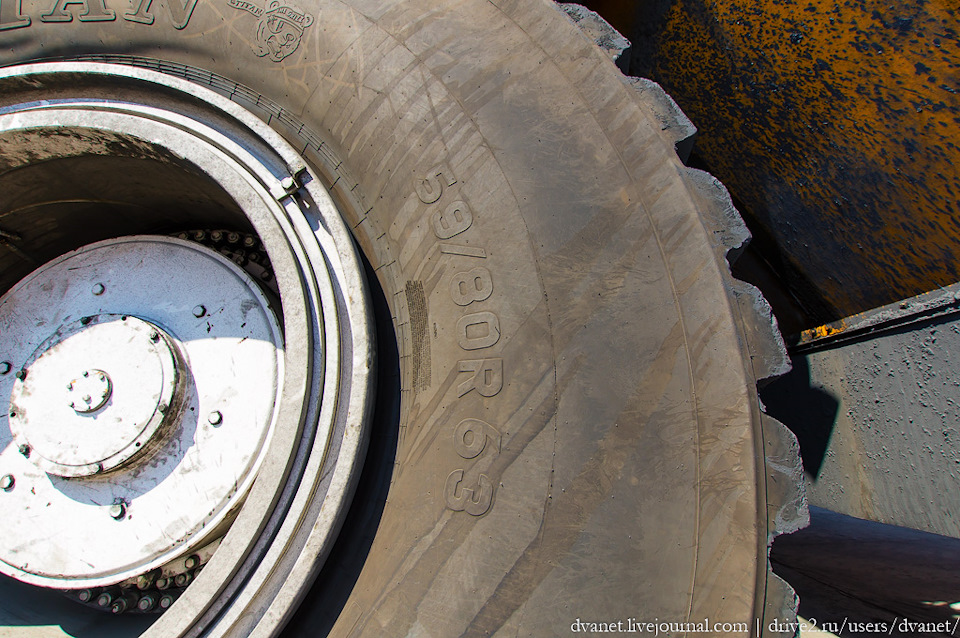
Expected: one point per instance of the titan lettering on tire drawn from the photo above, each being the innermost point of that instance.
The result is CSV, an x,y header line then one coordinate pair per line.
x,y
568,428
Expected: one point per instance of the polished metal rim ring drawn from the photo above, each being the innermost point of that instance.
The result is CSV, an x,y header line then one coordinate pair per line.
x,y
292,500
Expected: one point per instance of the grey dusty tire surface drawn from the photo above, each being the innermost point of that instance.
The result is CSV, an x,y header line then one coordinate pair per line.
x,y
575,433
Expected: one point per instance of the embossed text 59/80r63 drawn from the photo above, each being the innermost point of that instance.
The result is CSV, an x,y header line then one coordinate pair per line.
x,y
478,329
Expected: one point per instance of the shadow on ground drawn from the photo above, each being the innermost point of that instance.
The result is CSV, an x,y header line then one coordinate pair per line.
x,y
849,572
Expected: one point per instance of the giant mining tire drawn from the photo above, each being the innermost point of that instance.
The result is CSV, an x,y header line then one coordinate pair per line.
x,y
518,389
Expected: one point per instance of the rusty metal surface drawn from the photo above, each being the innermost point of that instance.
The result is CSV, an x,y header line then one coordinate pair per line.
x,y
834,126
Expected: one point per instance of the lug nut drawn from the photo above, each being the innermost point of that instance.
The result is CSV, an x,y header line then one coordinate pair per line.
x,y
215,418
164,583
192,561
199,311
5,367
98,289
167,600
147,602
118,511
107,596
7,482
182,580
129,600
145,581
87,595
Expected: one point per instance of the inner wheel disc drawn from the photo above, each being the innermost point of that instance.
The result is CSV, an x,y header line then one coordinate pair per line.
x,y
93,429
144,391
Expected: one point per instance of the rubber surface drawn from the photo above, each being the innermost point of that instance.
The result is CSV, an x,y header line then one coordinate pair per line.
x,y
579,433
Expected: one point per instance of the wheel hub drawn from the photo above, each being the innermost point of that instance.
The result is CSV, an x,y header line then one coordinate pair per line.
x,y
278,391
112,448
91,383
94,429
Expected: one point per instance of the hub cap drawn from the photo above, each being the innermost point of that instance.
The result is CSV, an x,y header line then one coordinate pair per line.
x,y
81,434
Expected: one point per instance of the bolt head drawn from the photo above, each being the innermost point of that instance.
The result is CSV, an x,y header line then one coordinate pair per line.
x,y
7,482
215,418
191,561
288,184
24,450
98,289
21,374
5,367
118,511
199,311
